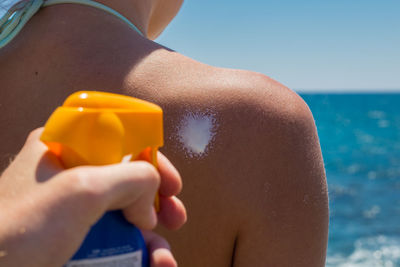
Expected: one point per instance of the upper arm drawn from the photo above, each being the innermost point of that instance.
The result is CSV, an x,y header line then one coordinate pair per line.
x,y
282,198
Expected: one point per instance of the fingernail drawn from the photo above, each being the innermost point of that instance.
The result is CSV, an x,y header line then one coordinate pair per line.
x,y
164,257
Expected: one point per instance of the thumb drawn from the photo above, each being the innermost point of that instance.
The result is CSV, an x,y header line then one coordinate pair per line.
x,y
128,186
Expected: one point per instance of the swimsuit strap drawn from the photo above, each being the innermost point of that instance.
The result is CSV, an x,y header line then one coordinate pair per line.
x,y
16,18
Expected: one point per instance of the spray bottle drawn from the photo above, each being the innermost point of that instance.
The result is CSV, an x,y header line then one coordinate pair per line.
x,y
96,128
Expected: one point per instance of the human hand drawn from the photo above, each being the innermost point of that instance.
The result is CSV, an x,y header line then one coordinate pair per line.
x,y
47,211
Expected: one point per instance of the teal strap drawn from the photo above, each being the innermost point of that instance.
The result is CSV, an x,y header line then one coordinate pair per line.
x,y
16,18
95,5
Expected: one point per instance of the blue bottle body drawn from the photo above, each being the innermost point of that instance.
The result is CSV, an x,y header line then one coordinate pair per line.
x,y
112,241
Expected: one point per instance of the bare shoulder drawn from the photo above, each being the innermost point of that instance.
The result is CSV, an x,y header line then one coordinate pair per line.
x,y
284,194
258,181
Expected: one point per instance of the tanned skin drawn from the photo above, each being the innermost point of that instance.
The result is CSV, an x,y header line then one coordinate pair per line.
x,y
257,198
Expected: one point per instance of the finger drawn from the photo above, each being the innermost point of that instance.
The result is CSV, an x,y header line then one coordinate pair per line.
x,y
33,143
135,193
142,214
34,136
36,153
171,182
172,213
159,250
130,187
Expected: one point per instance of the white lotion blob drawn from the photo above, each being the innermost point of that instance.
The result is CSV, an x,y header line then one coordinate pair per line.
x,y
196,133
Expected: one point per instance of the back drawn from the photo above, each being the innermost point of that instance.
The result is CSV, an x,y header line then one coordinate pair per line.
x,y
246,146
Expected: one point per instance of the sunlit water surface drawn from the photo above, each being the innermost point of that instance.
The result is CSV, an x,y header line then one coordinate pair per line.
x,y
360,140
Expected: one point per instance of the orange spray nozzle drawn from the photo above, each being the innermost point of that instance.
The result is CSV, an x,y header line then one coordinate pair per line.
x,y
98,128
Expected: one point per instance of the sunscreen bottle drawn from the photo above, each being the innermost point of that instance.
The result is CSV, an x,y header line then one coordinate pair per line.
x,y
96,128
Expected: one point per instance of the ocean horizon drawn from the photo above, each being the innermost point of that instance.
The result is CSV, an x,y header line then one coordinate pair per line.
x,y
346,91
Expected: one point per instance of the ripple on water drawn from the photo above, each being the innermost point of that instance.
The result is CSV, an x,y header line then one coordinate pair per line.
x,y
376,114
369,252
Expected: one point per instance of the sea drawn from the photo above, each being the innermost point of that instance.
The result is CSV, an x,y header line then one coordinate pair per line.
x,y
360,142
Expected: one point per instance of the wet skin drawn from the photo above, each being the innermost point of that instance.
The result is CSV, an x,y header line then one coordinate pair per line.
x,y
258,198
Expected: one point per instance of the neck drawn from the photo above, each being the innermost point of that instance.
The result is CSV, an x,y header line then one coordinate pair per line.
x,y
136,11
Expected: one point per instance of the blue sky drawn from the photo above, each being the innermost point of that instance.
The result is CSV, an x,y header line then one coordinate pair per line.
x,y
310,44
305,44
